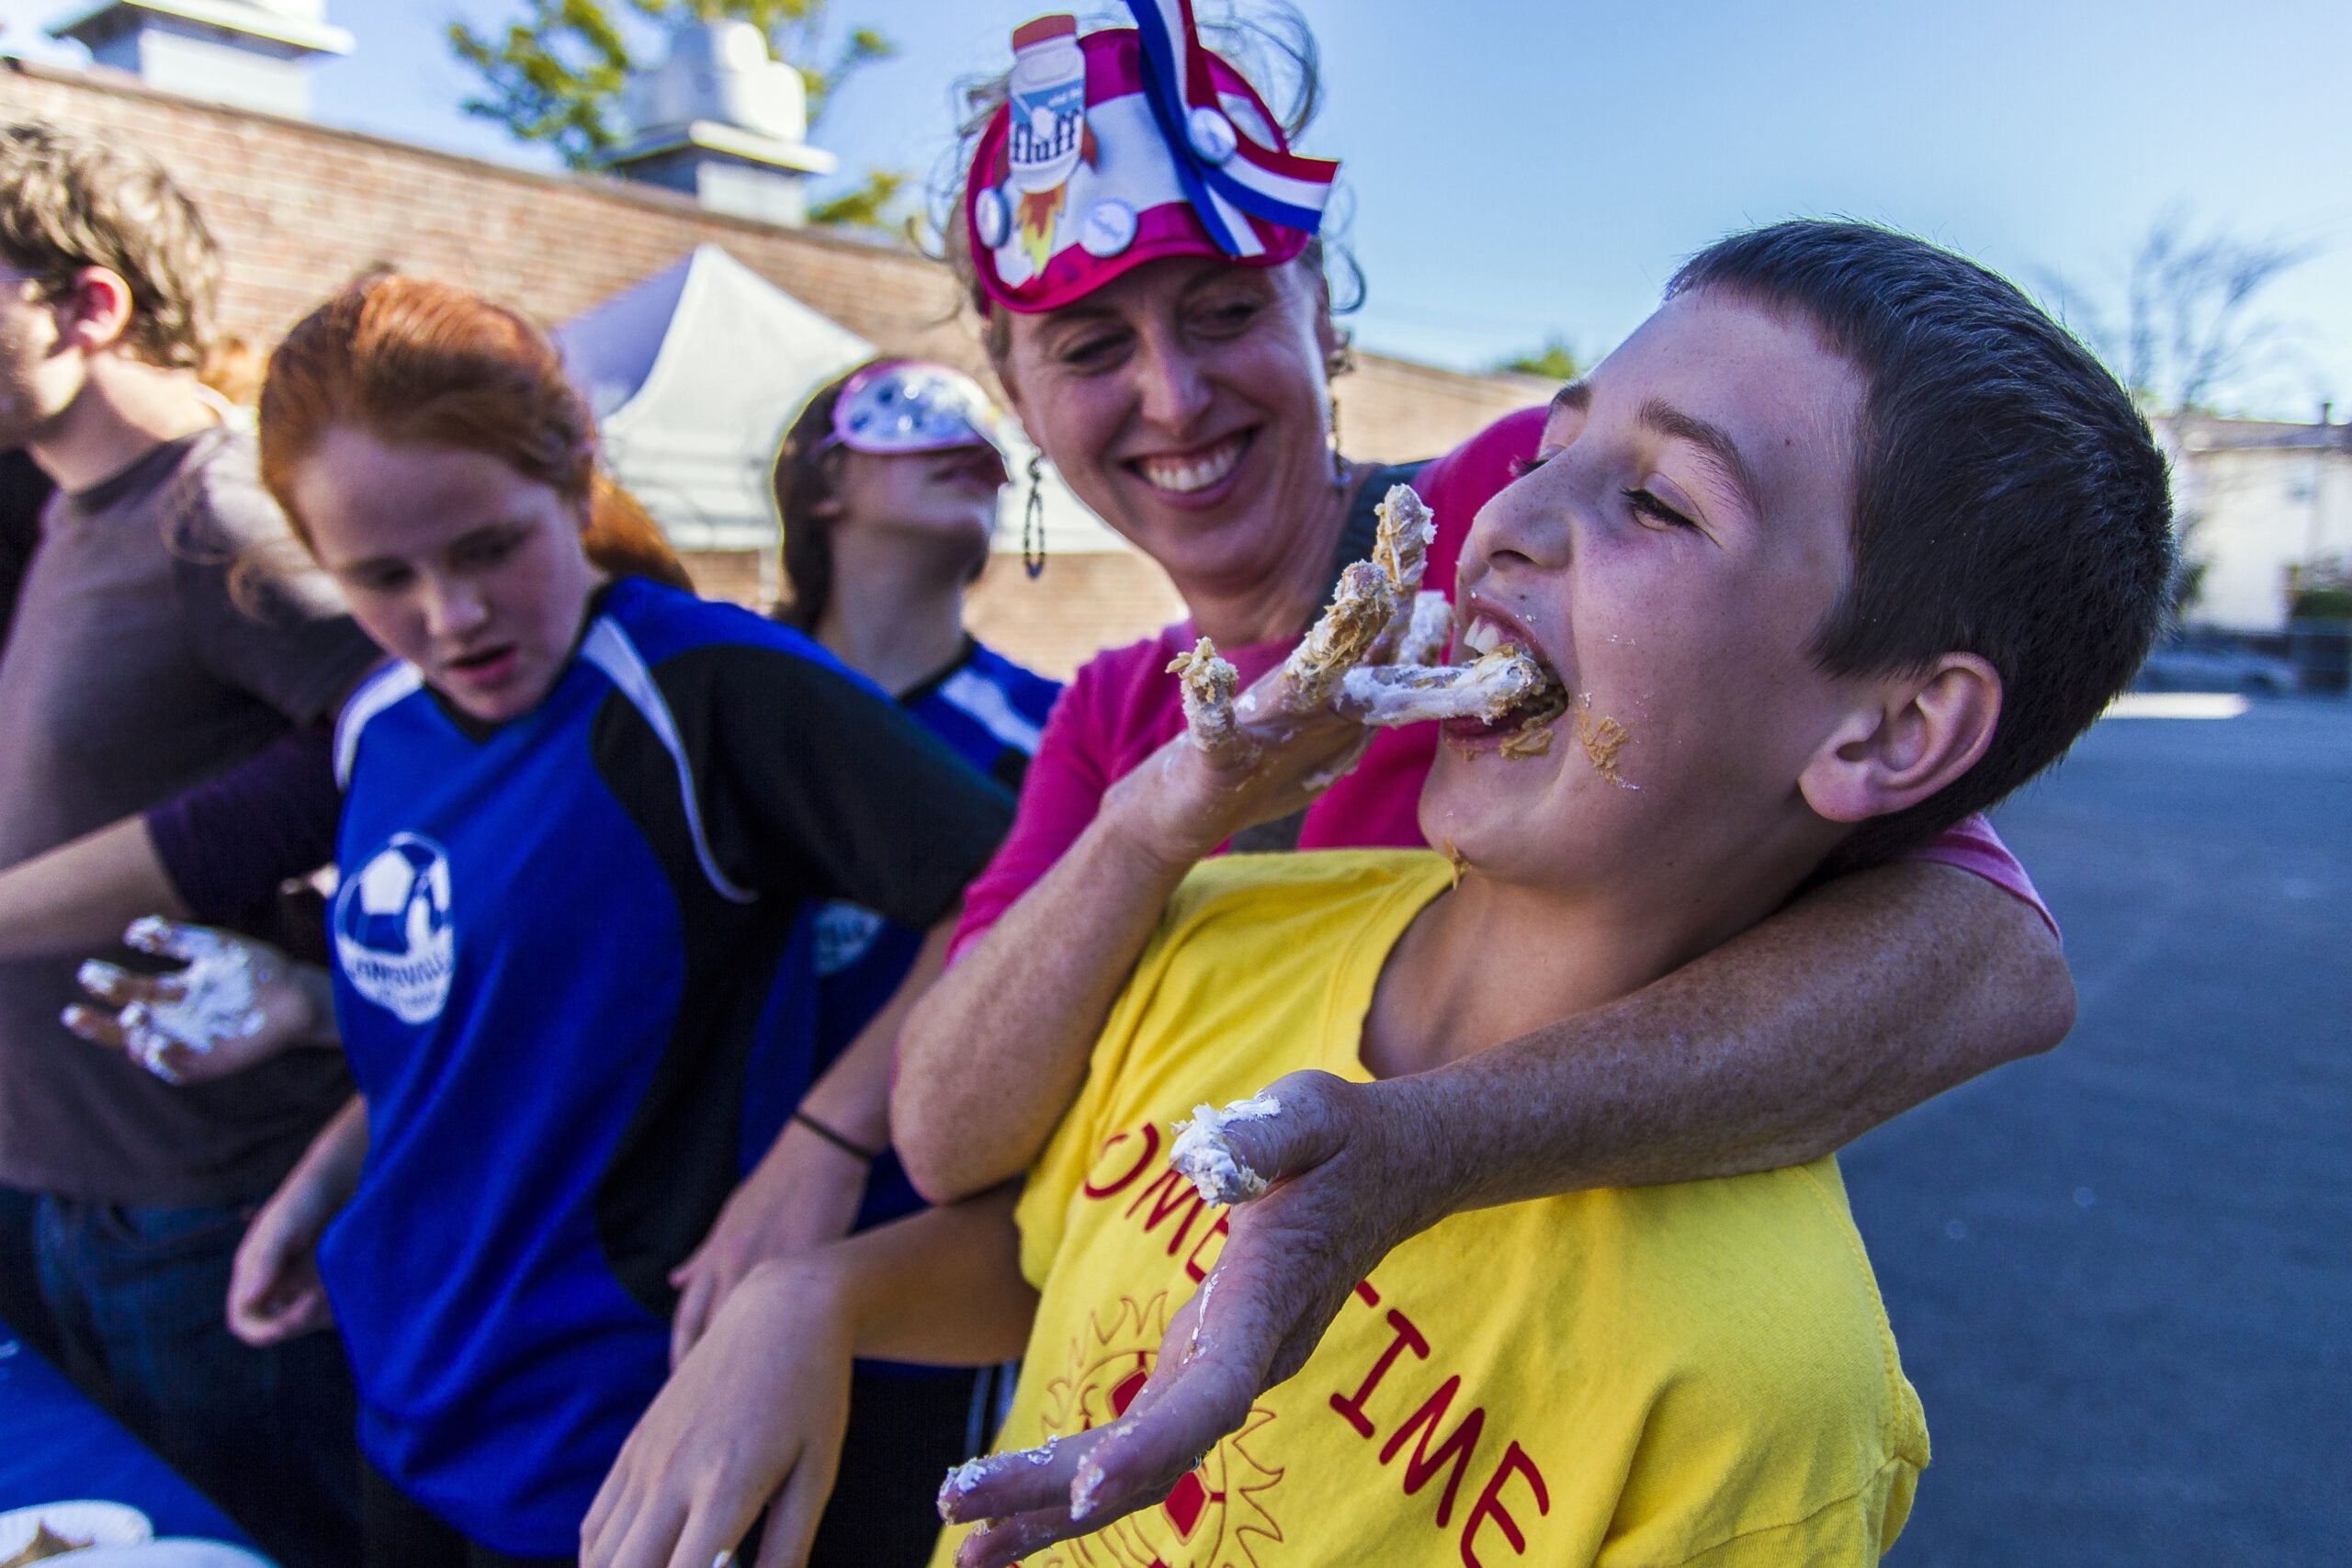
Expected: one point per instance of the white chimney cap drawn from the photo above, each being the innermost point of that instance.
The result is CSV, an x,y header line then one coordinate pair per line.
x,y
720,72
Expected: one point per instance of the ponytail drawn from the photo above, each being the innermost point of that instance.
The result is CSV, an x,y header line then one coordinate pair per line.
x,y
622,540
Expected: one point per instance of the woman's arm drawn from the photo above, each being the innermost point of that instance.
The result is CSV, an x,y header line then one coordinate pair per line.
x,y
757,1412
992,1055
805,1190
81,895
1866,997
213,854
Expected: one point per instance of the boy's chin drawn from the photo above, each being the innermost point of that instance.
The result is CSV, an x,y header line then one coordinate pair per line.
x,y
1489,809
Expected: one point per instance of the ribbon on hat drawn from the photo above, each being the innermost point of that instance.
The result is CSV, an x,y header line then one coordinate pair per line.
x,y
1225,172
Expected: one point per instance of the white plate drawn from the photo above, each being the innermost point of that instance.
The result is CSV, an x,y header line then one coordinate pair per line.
x,y
102,1524
173,1552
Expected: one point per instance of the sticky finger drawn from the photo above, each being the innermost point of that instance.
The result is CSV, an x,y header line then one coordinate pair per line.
x,y
168,938
1206,681
1427,630
998,1543
1401,547
1002,1485
1359,612
95,1025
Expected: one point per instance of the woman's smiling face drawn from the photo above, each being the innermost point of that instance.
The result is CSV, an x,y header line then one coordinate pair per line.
x,y
1187,403
1679,542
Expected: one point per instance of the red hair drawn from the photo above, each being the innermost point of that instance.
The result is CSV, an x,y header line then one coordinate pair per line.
x,y
412,362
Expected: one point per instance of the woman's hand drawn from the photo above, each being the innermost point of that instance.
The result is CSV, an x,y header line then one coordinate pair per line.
x,y
756,1413
1350,1173
237,1003
804,1193
1270,752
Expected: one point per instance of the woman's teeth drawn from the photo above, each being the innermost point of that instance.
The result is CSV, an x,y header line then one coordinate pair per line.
x,y
1482,636
1198,471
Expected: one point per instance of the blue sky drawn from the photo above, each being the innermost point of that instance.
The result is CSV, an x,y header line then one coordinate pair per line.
x,y
1521,168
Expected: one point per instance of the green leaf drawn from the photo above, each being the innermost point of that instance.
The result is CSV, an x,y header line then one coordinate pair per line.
x,y
1555,361
869,205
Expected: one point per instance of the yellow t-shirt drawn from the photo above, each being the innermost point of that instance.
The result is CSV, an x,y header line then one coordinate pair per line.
x,y
1699,1373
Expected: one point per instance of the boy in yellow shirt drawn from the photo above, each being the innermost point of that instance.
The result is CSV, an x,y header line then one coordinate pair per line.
x,y
1847,542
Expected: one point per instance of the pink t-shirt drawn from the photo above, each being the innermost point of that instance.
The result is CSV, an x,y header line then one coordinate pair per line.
x,y
1123,705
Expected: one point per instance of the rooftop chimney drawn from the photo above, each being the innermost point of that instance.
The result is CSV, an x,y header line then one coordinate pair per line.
x,y
253,54
724,122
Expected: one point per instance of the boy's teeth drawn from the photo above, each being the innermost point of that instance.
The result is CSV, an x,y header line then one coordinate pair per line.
x,y
1484,636
1185,475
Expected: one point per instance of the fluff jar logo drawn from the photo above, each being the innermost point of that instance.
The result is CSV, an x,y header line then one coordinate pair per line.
x,y
1046,131
393,935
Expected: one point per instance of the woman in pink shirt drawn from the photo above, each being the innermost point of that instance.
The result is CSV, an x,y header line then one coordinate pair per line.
x,y
1140,244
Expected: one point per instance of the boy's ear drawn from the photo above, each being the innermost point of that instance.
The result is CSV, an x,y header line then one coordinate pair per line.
x,y
94,311
1906,738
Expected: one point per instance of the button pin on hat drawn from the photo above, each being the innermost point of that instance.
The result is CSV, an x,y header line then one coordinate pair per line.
x,y
991,219
1211,134
1109,229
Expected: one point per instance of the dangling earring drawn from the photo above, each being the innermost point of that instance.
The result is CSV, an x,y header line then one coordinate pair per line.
x,y
1339,459
1032,520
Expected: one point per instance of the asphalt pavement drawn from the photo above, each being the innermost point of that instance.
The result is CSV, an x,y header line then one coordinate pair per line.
x,y
2122,1274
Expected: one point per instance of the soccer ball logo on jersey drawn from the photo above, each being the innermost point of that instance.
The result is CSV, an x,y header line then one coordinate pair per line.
x,y
392,931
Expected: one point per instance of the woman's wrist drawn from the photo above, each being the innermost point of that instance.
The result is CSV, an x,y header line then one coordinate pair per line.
x,y
1134,830
1438,1138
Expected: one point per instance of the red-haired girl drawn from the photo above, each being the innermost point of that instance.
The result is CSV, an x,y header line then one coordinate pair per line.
x,y
584,814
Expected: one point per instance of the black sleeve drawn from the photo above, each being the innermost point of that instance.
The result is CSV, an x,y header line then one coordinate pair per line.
x,y
227,843
24,491
814,784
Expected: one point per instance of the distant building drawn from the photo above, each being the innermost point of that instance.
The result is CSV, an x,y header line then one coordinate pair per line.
x,y
2261,497
300,209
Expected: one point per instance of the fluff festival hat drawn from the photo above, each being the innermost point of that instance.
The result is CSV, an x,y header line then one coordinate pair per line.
x,y
1124,146
898,406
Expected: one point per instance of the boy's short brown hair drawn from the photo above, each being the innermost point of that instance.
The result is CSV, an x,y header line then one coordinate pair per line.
x,y
69,201
2010,502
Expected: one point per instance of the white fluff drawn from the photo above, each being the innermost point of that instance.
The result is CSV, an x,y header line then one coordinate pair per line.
x,y
1203,1154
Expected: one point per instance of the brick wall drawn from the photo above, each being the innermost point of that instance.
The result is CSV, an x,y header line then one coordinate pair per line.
x,y
299,209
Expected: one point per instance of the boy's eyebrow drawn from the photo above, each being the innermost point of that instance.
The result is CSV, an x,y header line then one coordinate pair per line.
x,y
1667,420
1574,398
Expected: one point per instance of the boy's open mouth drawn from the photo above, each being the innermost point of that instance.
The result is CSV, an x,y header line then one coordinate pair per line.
x,y
1503,692
1523,713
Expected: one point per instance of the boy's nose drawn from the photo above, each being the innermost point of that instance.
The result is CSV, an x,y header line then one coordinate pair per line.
x,y
1530,520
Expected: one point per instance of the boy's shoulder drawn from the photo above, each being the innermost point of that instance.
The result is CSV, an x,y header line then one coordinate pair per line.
x,y
1747,1310
1718,1349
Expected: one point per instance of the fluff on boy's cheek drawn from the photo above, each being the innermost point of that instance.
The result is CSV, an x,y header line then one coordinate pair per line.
x,y
1602,738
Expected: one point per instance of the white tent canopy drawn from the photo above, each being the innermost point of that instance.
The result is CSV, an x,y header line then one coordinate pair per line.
x,y
693,374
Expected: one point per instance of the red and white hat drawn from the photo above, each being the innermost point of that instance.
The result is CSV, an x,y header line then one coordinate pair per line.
x,y
1124,146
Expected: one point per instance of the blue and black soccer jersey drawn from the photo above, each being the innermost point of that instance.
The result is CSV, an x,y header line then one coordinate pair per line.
x,y
561,945
993,713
